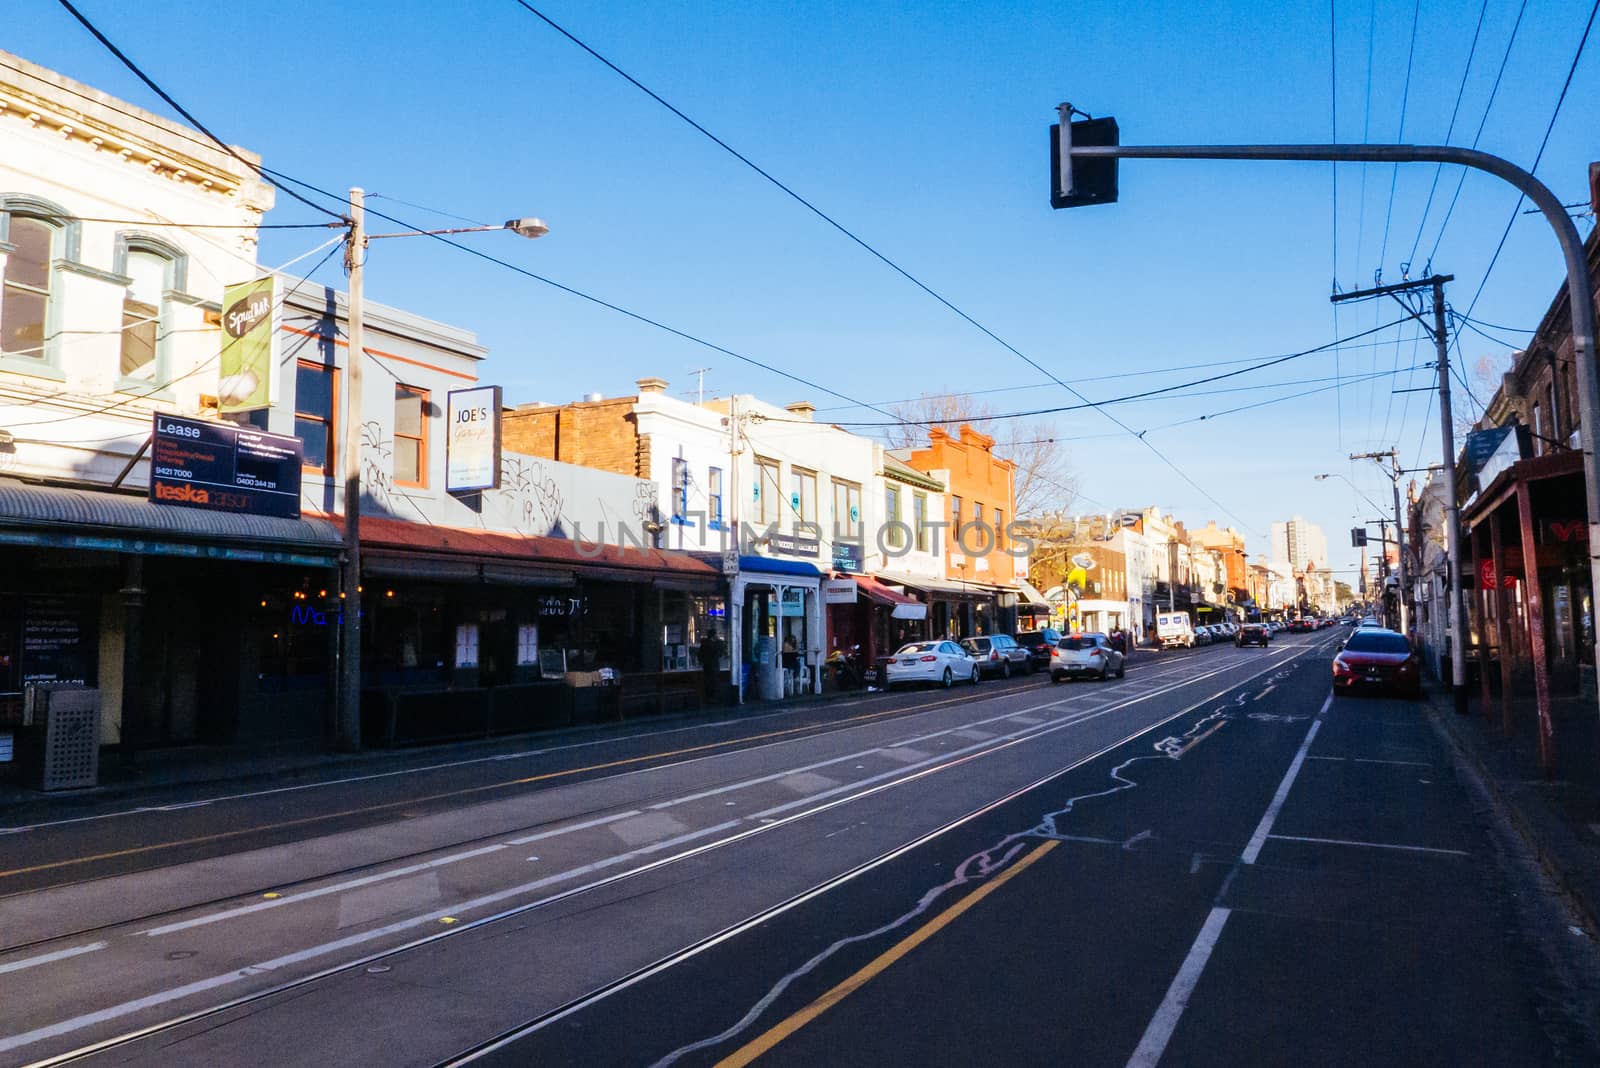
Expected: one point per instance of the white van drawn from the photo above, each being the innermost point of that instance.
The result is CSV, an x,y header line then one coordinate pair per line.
x,y
1174,630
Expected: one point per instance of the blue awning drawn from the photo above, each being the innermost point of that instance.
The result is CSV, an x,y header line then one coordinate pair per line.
x,y
770,566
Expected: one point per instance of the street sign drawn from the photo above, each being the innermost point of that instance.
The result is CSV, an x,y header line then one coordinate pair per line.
x,y
224,468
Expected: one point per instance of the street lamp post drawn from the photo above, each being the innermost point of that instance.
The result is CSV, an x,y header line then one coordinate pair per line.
x,y
348,734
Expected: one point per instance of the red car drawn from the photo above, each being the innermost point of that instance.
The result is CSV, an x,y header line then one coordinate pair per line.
x,y
1379,661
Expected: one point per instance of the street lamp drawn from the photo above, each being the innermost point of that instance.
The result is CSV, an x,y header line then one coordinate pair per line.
x,y
349,725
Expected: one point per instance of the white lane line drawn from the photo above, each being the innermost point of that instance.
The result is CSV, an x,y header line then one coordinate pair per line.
x,y
321,891
1407,763
1165,1021
1369,845
569,828
1264,828
46,958
1159,1031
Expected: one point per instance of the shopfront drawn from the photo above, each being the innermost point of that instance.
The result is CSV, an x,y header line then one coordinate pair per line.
x,y
955,609
779,627
869,619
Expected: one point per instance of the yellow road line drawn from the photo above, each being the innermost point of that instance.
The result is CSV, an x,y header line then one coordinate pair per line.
x,y
320,817
758,1046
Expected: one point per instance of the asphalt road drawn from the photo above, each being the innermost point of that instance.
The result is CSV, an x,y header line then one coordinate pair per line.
x,y
1209,861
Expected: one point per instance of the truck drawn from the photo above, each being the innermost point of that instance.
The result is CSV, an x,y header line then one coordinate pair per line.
x,y
1174,630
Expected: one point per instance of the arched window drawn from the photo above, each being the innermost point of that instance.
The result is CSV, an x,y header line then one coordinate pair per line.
x,y
25,286
144,313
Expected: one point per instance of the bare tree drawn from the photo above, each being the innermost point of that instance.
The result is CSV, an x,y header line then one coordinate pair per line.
x,y
1484,379
1045,483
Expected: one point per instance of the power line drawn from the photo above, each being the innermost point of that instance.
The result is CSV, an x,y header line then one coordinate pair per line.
x,y
1333,107
1405,98
179,108
907,275
1454,111
1494,91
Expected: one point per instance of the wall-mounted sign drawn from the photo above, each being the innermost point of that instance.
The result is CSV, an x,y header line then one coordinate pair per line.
x,y
793,545
838,591
224,468
472,444
846,556
245,377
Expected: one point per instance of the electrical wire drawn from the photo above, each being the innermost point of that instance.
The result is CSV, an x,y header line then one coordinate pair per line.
x,y
852,236
1333,170
1438,169
181,110
1405,99
1494,91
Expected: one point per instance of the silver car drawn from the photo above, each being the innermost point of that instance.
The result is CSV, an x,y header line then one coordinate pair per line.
x,y
1085,654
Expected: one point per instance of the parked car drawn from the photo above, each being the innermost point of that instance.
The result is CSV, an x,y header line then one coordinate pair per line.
x,y
1039,643
1253,634
1377,660
1201,636
1086,654
1174,630
998,654
943,662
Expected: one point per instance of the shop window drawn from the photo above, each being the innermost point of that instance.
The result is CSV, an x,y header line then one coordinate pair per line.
x,y
680,491
803,497
768,492
25,288
527,644
955,512
714,497
919,520
999,530
410,436
846,510
144,314
315,400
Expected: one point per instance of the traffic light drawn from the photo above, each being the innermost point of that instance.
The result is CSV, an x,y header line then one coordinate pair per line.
x,y
1358,537
1083,181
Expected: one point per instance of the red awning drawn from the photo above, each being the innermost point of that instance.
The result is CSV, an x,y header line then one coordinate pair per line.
x,y
904,607
549,558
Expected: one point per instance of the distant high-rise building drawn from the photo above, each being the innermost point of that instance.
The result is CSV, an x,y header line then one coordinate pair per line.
x,y
1299,544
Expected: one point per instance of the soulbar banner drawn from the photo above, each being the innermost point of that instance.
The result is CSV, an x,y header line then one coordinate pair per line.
x,y
246,383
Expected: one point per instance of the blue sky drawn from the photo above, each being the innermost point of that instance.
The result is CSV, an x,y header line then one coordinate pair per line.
x,y
922,128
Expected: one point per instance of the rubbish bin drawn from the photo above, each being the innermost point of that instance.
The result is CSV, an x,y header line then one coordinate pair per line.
x,y
63,736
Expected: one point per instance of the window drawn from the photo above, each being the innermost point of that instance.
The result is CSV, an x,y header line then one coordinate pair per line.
x,y
919,520
894,530
846,510
803,496
999,529
680,490
25,293
768,492
955,512
144,314
410,436
1538,431
714,497
314,421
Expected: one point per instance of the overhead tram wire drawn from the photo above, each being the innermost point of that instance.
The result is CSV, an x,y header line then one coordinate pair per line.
x,y
1333,107
181,110
1400,139
1361,200
852,236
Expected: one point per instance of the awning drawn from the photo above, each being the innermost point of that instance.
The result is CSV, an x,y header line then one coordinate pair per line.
x,y
95,520
771,566
1504,486
453,554
1031,595
961,591
903,607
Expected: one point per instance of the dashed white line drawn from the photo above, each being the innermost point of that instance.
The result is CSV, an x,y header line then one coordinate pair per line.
x,y
46,958
1368,845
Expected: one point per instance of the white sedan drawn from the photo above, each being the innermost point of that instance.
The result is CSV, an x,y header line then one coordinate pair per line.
x,y
943,662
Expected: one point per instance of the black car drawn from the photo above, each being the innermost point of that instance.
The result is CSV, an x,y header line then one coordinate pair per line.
x,y
1039,643
1253,634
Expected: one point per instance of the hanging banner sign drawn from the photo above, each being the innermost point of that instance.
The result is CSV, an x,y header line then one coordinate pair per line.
x,y
472,446
246,375
224,468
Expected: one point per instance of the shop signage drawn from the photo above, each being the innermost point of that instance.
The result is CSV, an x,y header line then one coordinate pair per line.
x,y
245,383
56,642
793,545
224,468
472,443
838,591
1486,576
1571,530
846,556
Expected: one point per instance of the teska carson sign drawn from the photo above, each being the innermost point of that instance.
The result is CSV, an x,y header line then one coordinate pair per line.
x,y
472,442
224,468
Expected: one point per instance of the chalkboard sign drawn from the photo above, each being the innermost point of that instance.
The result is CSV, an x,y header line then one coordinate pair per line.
x,y
552,662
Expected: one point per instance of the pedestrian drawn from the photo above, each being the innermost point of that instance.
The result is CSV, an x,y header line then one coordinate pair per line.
x,y
711,666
